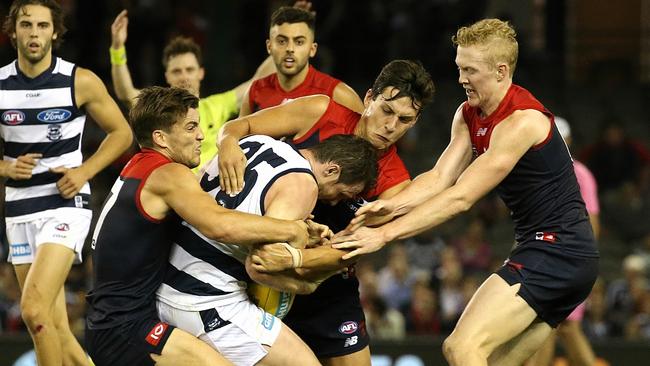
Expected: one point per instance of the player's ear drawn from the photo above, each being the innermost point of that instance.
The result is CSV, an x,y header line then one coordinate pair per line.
x,y
368,98
332,170
313,49
159,138
268,46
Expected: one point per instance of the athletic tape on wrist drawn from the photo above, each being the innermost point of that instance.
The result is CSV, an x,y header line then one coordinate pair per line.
x,y
118,56
296,256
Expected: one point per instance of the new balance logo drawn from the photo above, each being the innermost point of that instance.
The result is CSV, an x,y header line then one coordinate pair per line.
x,y
481,131
349,342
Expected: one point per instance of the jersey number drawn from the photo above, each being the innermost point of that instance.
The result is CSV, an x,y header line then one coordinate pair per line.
x,y
267,156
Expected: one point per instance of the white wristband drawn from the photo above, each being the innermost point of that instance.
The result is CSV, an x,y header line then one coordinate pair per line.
x,y
296,256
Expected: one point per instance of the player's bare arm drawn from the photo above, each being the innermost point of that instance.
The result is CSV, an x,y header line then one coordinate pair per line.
x,y
267,67
346,96
174,187
91,95
294,118
120,74
292,197
455,158
510,140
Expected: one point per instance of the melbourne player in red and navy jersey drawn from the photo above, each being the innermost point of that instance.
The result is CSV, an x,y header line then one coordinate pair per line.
x,y
291,45
502,138
133,238
392,106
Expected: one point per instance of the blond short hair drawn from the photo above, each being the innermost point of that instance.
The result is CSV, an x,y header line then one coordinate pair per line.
x,y
498,36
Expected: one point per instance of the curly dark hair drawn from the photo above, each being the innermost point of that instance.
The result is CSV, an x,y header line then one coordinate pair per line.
x,y
9,25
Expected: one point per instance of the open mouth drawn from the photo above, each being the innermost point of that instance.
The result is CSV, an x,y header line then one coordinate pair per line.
x,y
289,61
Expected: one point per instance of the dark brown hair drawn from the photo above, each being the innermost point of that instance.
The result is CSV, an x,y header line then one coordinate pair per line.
x,y
179,46
356,157
410,78
158,108
291,15
9,25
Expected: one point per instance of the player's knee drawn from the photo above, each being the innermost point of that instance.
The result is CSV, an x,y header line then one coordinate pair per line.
x,y
35,314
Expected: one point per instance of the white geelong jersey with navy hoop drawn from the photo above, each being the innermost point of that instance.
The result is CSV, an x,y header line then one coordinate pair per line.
x,y
204,273
40,115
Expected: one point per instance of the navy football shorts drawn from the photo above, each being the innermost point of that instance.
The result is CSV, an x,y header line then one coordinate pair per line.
x,y
129,343
331,320
553,282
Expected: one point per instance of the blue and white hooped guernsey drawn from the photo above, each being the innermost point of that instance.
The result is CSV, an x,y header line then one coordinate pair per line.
x,y
40,115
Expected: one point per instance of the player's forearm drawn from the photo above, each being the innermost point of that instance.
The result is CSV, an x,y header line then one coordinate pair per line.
x,y
115,144
124,89
425,216
422,188
287,281
324,258
246,229
266,68
233,131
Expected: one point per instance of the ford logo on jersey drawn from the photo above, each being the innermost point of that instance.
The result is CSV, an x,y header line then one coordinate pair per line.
x,y
54,115
13,117
348,327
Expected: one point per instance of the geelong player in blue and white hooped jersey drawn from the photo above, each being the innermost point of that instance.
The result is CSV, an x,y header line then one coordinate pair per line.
x,y
204,292
42,104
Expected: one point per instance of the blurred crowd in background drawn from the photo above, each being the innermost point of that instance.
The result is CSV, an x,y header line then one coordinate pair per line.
x,y
420,286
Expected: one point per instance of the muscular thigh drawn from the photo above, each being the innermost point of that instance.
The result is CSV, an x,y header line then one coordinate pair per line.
x,y
494,315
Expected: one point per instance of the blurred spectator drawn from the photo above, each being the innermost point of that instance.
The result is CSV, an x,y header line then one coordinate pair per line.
x,y
367,277
473,251
383,322
422,316
638,326
423,251
448,280
616,159
624,294
396,278
595,323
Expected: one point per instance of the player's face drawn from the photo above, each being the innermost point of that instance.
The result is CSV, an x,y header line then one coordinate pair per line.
x,y
477,76
183,71
184,140
34,33
386,121
332,193
291,46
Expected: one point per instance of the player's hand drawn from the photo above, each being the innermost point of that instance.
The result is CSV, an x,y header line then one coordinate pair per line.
x,y
372,214
232,163
304,5
363,241
119,30
72,181
310,234
271,258
22,167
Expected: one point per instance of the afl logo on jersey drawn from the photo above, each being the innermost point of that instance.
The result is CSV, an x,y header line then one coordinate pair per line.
x,y
54,115
13,117
348,327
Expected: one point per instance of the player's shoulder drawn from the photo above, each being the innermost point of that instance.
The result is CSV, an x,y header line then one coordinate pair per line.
x,y
265,82
169,176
